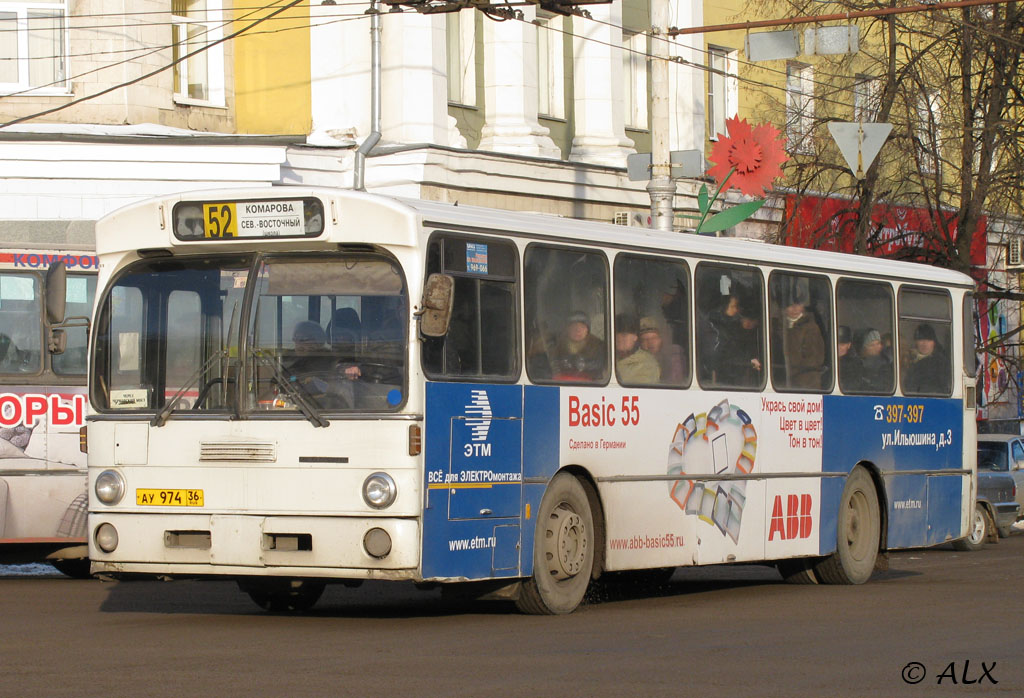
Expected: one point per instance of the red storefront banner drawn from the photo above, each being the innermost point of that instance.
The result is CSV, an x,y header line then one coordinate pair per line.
x,y
898,232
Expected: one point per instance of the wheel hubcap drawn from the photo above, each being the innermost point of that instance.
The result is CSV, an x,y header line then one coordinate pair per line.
x,y
978,527
567,543
856,513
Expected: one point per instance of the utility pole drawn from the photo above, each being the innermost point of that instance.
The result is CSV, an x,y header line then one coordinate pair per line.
x,y
661,188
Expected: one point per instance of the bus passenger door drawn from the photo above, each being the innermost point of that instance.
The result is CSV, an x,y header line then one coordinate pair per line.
x,y
474,481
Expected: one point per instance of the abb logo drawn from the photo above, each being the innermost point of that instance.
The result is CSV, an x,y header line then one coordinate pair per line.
x,y
26,409
796,522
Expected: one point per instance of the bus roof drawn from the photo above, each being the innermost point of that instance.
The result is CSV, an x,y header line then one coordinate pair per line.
x,y
731,249
397,218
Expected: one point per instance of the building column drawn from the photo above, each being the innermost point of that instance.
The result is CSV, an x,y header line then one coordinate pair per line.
x,y
599,104
510,90
414,104
339,61
687,92
414,89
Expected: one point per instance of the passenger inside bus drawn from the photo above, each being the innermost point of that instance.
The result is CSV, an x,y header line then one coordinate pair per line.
x,y
346,340
804,347
578,355
849,364
875,368
929,373
670,357
633,364
731,345
312,354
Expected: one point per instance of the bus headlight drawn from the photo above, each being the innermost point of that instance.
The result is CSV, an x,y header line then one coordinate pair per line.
x,y
109,487
379,490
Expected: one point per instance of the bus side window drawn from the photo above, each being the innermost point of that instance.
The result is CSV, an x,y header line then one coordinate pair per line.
x,y
652,295
730,327
20,317
800,308
926,340
864,313
482,338
566,299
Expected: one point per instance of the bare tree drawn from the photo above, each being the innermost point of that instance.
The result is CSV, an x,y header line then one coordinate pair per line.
x,y
950,83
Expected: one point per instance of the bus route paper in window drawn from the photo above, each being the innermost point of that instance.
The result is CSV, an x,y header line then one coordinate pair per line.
x,y
476,257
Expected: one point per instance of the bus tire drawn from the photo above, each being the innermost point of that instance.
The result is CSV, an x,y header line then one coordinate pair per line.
x,y
283,595
76,568
563,550
858,533
977,531
798,570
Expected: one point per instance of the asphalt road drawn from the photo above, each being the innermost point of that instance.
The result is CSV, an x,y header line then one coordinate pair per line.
x,y
729,631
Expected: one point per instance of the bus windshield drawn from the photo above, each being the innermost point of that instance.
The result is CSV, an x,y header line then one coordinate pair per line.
x,y
243,334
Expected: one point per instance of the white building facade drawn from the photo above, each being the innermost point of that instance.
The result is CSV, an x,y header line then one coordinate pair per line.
x,y
538,113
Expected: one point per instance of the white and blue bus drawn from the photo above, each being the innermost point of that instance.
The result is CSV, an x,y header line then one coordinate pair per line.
x,y
292,387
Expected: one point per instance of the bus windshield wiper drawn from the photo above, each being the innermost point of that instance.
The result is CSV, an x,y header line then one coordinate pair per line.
x,y
161,417
302,401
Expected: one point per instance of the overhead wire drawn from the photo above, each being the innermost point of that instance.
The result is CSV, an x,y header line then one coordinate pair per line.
x,y
348,17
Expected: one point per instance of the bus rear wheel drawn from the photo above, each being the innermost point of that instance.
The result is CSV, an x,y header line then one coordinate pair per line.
x,y
563,550
283,595
798,570
859,532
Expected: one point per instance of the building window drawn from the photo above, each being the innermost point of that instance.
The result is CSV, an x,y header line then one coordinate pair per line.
x,y
866,98
800,107
195,24
634,77
550,67
461,50
33,54
723,89
927,131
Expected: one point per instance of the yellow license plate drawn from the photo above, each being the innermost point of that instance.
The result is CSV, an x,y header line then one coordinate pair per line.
x,y
169,498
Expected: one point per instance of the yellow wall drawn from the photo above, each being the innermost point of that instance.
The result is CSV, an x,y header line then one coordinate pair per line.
x,y
272,73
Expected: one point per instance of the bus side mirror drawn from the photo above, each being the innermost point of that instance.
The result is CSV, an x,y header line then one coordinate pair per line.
x,y
436,309
56,293
56,300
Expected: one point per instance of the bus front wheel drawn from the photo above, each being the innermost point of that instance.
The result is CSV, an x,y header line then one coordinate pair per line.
x,y
283,595
858,535
563,550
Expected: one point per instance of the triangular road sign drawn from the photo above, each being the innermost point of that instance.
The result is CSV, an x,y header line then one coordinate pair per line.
x,y
859,143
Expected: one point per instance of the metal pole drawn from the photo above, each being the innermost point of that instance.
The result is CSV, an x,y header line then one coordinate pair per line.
x,y
661,188
359,167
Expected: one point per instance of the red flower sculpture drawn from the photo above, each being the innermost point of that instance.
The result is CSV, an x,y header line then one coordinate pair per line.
x,y
748,158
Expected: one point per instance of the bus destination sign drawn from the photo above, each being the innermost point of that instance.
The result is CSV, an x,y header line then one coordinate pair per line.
x,y
265,218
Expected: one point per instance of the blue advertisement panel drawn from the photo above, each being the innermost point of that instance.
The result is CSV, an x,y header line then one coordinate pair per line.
x,y
474,480
915,442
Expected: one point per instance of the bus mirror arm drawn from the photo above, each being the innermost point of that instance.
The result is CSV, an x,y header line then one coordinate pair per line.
x,y
56,337
436,309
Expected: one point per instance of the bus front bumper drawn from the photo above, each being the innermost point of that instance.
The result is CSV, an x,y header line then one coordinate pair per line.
x,y
233,545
